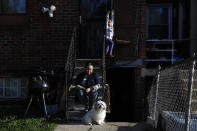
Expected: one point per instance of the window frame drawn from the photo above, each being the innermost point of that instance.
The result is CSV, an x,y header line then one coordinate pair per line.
x,y
16,12
169,6
18,87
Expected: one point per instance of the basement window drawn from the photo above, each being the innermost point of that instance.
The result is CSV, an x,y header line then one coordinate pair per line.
x,y
12,12
13,87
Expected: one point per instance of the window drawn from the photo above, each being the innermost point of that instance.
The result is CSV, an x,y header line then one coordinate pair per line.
x,y
13,87
12,12
159,22
12,6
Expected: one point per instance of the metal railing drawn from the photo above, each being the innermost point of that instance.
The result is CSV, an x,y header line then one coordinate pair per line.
x,y
173,97
106,88
69,67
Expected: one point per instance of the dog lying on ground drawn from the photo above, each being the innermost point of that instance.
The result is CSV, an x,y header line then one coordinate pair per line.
x,y
96,115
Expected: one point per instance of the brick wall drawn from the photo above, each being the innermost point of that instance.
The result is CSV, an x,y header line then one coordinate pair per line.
x,y
42,40
125,28
140,81
130,22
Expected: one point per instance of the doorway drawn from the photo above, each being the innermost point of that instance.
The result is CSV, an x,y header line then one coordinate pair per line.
x,y
92,28
122,87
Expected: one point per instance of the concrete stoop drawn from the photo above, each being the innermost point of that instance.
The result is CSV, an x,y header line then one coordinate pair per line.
x,y
108,126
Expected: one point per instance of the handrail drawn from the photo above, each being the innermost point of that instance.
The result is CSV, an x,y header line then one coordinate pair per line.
x,y
69,67
103,66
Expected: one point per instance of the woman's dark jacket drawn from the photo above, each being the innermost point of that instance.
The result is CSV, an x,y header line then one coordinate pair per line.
x,y
92,79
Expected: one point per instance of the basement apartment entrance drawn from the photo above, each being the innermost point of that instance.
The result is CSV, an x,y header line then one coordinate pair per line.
x,y
122,92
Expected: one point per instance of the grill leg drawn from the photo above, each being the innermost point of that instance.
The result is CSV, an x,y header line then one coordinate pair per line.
x,y
28,105
45,108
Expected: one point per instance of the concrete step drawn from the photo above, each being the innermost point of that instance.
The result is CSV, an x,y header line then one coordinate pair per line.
x,y
72,95
71,99
77,107
76,112
75,119
76,116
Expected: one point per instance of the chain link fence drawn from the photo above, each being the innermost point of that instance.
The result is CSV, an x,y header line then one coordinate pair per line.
x,y
173,97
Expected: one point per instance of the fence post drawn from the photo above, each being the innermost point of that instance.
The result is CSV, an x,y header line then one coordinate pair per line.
x,y
189,93
156,94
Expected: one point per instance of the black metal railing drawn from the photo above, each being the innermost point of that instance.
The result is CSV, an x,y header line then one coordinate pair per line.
x,y
70,65
103,65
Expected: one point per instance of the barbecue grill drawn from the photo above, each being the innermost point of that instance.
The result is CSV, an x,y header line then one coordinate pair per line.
x,y
39,85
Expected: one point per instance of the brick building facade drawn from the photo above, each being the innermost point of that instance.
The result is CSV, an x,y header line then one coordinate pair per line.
x,y
33,39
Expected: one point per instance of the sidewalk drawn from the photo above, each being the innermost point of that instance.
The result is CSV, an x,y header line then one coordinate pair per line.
x,y
109,126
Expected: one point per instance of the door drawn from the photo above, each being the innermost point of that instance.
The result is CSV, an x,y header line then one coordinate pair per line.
x,y
122,92
92,24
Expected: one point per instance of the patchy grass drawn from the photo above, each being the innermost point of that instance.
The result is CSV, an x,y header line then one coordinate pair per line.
x,y
13,123
12,119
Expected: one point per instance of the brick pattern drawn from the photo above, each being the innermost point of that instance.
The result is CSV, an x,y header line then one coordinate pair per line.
x,y
130,21
42,41
141,25
140,82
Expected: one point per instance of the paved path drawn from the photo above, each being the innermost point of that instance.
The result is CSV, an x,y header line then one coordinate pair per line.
x,y
109,126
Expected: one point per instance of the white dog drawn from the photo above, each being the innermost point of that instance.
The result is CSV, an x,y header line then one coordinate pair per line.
x,y
96,115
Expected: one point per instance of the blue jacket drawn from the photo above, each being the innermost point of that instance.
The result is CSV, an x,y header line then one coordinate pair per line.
x,y
92,79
